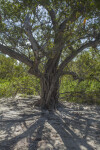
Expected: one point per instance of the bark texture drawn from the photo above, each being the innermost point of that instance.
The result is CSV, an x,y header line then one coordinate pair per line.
x,y
50,86
49,96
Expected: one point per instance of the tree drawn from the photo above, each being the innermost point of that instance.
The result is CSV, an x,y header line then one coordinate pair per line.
x,y
6,67
88,65
46,36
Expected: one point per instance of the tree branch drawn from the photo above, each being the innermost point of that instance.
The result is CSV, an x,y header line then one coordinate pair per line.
x,y
52,14
71,48
74,75
74,54
53,18
72,18
21,57
96,78
28,29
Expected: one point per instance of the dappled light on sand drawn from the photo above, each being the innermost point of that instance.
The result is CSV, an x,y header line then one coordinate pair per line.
x,y
25,127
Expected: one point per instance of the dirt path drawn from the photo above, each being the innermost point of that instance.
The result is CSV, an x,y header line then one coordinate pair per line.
x,y
71,127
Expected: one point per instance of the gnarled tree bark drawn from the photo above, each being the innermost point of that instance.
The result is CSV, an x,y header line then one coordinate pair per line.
x,y
49,95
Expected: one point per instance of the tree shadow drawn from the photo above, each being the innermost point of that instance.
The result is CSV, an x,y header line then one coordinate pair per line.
x,y
32,126
69,138
9,142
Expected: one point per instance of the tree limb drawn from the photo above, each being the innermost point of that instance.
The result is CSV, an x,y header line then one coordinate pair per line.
x,y
74,75
52,15
72,18
74,54
71,48
96,78
53,18
28,28
21,57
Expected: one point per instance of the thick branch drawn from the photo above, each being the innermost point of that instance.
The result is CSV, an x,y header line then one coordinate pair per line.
x,y
73,74
28,28
52,14
74,54
62,26
21,57
71,48
95,78
53,18
72,18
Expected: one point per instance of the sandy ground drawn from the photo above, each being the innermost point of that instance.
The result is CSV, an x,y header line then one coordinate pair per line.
x,y
25,127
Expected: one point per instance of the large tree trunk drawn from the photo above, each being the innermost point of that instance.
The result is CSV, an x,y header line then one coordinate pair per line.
x,y
49,92
50,85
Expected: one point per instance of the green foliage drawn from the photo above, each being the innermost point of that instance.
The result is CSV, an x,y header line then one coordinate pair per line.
x,y
6,67
13,30
87,66
4,88
15,79
97,4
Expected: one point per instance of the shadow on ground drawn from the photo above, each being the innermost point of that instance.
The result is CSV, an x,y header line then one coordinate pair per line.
x,y
71,127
